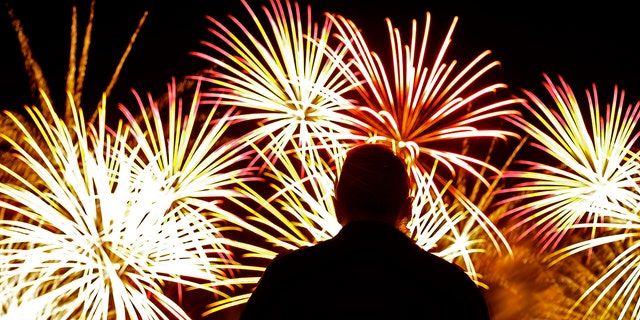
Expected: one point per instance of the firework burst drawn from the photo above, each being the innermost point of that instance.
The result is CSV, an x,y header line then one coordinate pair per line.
x,y
421,105
190,147
99,233
596,173
593,195
286,77
424,102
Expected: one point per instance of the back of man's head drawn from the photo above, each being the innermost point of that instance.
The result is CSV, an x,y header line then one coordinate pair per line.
x,y
373,183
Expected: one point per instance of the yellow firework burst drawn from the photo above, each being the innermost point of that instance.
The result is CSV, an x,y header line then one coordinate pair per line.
x,y
188,144
588,187
592,171
98,234
286,77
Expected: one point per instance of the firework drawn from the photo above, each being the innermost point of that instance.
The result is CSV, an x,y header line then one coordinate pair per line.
x,y
593,194
286,77
190,147
421,105
451,227
594,174
101,231
416,108
615,291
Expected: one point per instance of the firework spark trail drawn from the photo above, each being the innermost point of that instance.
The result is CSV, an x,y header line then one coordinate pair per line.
x,y
286,77
599,172
108,230
302,201
615,292
453,228
37,81
422,104
76,71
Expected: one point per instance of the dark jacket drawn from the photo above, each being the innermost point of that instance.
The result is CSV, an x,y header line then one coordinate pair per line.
x,y
369,270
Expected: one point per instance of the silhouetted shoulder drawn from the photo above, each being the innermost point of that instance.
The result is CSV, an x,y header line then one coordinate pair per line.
x,y
369,270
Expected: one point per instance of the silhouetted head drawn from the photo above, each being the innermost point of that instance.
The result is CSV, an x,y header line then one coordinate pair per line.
x,y
373,185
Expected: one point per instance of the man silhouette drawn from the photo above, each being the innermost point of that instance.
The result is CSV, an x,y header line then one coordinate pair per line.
x,y
370,269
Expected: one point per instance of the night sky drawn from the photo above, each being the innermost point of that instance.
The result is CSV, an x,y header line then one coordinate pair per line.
x,y
582,44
